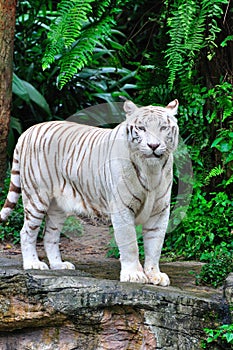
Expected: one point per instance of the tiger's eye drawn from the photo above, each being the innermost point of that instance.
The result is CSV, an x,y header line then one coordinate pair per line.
x,y
142,128
163,128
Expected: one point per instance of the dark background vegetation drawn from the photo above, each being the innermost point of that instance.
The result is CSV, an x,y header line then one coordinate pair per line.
x,y
150,52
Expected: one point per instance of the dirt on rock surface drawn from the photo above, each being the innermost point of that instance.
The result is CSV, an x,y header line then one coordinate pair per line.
x,y
88,251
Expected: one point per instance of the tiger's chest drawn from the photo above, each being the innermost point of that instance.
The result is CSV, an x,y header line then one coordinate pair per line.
x,y
144,211
119,186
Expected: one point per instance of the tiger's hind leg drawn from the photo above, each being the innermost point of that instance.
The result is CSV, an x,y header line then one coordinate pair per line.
x,y
28,238
54,222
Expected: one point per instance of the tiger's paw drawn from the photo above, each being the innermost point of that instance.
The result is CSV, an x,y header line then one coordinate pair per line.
x,y
133,276
158,278
62,266
35,265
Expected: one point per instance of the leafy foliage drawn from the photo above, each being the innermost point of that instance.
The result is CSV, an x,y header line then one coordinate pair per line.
x,y
81,53
213,173
221,97
24,92
222,334
206,230
67,27
214,273
31,102
187,30
41,101
10,229
76,22
224,143
29,93
72,225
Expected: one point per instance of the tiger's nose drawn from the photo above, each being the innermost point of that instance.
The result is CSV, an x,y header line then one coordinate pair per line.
x,y
153,146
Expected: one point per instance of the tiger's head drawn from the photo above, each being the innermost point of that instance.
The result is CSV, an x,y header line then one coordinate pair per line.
x,y
152,130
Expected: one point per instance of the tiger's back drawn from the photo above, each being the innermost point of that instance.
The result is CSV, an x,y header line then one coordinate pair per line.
x,y
52,157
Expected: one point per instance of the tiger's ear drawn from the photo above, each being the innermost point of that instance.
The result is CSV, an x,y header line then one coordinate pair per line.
x,y
172,108
129,108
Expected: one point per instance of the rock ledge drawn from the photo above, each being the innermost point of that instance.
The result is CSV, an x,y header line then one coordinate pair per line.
x,y
68,310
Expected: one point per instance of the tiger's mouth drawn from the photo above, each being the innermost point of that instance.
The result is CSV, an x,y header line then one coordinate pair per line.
x,y
157,155
154,155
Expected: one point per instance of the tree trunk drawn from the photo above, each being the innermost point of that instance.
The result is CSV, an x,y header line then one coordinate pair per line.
x,y
7,27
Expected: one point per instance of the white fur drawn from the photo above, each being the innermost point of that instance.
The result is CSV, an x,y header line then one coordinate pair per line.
x,y
123,178
4,213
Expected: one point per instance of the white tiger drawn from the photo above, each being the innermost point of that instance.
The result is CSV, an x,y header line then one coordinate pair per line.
x,y
124,173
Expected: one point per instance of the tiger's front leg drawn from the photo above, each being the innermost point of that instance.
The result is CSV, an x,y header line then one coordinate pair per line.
x,y
125,236
153,235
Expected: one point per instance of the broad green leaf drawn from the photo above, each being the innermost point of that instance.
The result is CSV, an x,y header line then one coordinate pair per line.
x,y
36,97
15,124
225,147
28,93
115,45
114,70
229,158
18,88
129,86
229,338
216,141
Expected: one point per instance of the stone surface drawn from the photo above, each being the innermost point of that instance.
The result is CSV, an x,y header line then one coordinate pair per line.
x,y
228,292
68,310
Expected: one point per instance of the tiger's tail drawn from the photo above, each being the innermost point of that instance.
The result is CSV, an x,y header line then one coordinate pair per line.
x,y
14,189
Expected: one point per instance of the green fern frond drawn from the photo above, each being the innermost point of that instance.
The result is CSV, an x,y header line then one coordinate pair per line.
x,y
127,51
187,26
216,171
72,14
53,48
192,26
81,53
99,7
80,25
